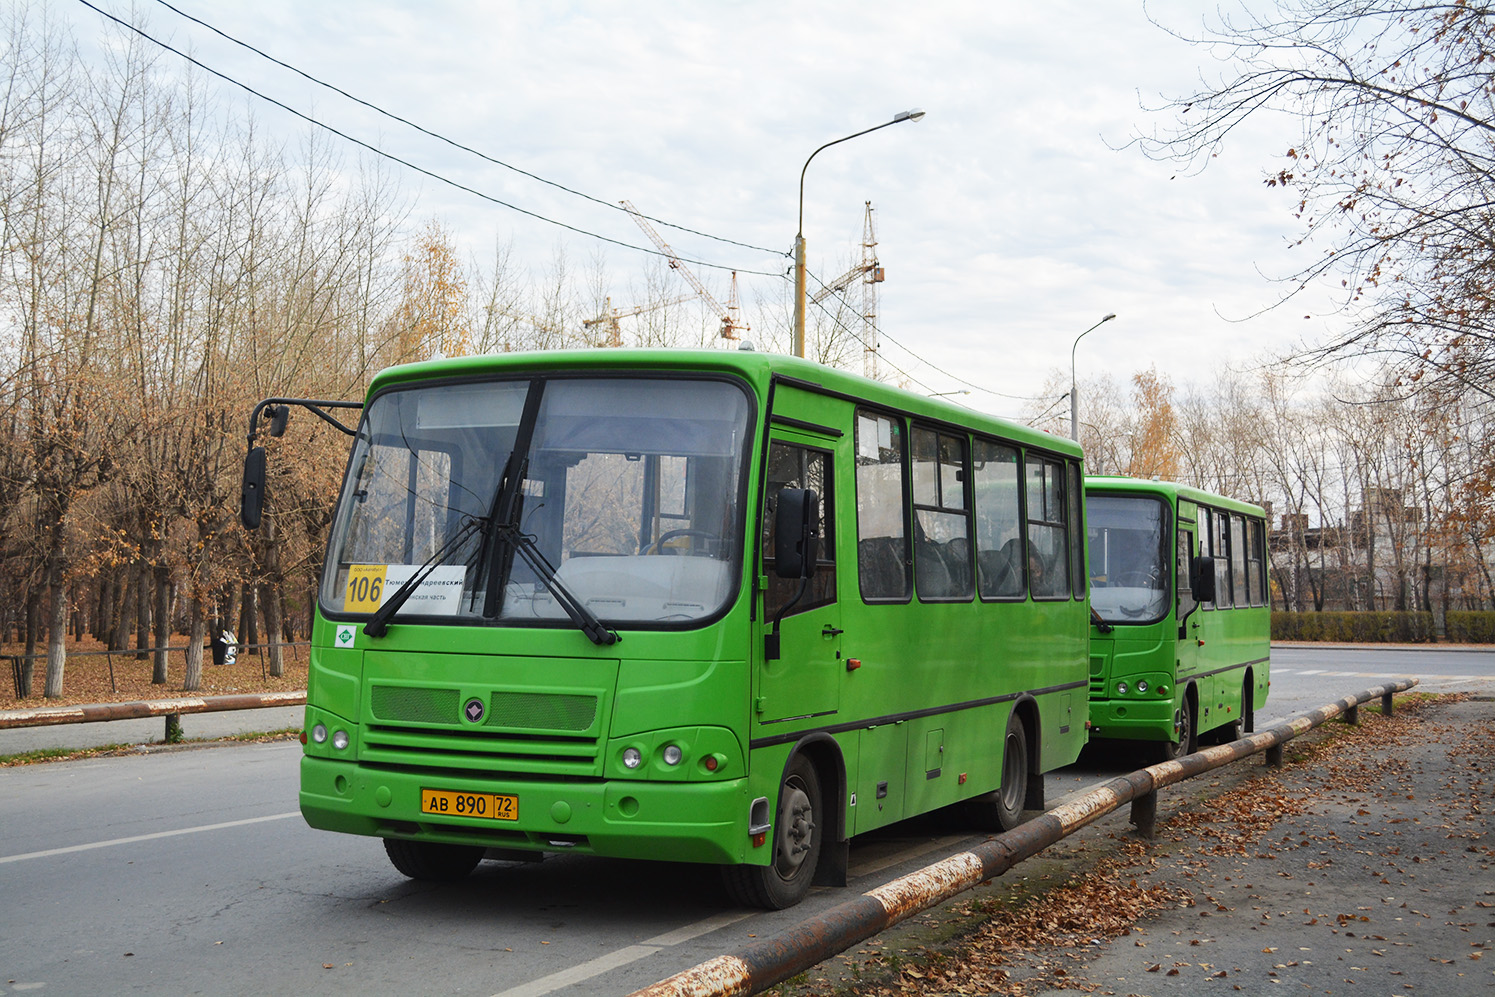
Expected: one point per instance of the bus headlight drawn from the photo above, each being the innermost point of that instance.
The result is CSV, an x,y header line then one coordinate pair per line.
x,y
1122,688
673,754
340,740
1141,685
319,733
632,758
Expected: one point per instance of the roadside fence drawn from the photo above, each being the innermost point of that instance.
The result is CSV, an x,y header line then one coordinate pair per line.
x,y
135,654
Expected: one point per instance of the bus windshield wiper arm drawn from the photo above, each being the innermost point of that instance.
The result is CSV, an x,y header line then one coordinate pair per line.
x,y
378,624
586,621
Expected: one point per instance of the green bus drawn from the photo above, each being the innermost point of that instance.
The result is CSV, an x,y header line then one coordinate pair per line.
x,y
722,607
1180,642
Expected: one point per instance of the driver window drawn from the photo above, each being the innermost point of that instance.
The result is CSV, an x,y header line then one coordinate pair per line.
x,y
791,466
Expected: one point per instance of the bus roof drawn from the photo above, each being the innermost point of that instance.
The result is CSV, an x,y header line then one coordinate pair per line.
x,y
1171,489
757,368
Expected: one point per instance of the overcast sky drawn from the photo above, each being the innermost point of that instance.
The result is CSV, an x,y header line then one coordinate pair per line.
x,y
1009,220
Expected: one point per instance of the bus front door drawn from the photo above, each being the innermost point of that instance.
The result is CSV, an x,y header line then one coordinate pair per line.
x,y
804,679
1187,647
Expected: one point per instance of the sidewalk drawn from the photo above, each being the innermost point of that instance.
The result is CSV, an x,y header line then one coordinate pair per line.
x,y
148,730
1362,866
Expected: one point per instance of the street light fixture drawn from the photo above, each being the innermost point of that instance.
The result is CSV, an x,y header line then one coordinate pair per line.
x,y
1074,396
799,235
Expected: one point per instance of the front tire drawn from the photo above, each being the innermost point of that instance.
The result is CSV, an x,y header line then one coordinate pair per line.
x,y
1169,751
797,837
432,861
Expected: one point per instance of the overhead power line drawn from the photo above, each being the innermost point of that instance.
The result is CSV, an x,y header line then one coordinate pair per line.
x,y
404,162
449,141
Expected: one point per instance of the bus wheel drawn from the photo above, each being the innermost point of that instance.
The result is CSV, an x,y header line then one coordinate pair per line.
x,y
1003,810
1014,789
433,861
796,846
1167,751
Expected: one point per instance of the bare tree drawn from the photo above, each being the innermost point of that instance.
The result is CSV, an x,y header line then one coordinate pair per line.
x,y
1393,176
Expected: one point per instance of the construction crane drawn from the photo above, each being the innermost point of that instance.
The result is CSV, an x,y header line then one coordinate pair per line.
x,y
611,316
869,273
731,324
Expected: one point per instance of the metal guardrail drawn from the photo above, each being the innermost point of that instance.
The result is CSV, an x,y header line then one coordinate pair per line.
x,y
762,964
44,716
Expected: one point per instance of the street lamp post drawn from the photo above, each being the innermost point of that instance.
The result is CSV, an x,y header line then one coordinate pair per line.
x,y
1074,395
799,235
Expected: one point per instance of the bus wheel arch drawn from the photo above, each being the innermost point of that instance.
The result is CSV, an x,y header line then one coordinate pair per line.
x,y
1248,703
1184,717
808,837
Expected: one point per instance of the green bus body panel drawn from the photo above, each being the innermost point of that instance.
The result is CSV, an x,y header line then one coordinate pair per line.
x,y
1216,658
918,723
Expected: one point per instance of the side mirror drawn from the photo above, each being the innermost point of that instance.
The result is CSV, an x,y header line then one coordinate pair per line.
x,y
252,492
796,533
1202,578
279,416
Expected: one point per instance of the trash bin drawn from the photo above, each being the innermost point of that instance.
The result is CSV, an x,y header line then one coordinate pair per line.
x,y
225,649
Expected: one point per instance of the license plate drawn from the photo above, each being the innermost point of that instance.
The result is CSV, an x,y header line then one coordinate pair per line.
x,y
492,806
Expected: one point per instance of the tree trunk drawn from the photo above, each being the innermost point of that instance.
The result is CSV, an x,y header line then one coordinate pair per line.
x,y
272,630
33,631
163,623
125,611
248,625
56,633
142,611
197,632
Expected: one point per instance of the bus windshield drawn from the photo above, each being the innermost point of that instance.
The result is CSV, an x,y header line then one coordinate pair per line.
x,y
629,488
1129,576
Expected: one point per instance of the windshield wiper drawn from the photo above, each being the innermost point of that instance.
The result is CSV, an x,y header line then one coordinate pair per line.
x,y
586,621
1100,624
378,624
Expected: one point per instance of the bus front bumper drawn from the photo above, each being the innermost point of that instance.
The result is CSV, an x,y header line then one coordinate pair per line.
x,y
1133,719
676,821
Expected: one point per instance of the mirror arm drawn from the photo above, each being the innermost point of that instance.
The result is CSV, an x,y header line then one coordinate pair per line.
x,y
314,405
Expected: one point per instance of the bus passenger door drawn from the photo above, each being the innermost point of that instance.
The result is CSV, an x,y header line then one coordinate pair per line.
x,y
1187,653
805,679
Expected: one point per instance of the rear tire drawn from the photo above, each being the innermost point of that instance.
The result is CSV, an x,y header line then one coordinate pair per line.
x,y
432,861
796,846
1002,810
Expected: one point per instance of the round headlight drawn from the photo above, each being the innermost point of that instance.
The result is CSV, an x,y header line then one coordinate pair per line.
x,y
673,754
340,740
319,733
1141,685
632,758
1121,688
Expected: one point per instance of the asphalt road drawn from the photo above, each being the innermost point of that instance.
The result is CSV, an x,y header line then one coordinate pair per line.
x,y
189,871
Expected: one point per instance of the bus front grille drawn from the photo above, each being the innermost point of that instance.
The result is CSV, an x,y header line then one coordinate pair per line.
x,y
478,750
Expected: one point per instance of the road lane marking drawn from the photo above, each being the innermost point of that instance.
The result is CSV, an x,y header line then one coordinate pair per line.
x,y
145,837
623,956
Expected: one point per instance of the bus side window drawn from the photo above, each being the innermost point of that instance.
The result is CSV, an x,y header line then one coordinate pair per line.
x,y
1077,575
1238,560
942,523
1206,526
1258,563
792,466
882,541
1048,554
999,521
1223,558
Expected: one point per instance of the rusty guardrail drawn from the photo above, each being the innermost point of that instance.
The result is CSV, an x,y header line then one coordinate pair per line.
x,y
760,965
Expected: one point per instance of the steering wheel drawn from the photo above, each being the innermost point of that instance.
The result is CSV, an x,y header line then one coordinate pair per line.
x,y
657,547
1137,579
